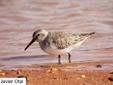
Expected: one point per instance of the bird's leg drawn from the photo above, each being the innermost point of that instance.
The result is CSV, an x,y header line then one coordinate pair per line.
x,y
59,59
69,57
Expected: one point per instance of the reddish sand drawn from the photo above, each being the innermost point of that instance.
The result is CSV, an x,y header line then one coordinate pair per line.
x,y
56,74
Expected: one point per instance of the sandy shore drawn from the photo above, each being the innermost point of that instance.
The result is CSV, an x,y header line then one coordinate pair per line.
x,y
55,74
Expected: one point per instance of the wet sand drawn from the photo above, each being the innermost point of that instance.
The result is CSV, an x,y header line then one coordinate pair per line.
x,y
20,18
55,74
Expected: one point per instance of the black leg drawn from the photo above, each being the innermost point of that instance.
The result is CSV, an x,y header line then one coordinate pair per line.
x,y
69,57
59,59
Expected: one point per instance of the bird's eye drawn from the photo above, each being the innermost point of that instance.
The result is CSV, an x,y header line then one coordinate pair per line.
x,y
38,34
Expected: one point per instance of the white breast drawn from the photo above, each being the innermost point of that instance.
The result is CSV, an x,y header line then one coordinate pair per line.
x,y
55,51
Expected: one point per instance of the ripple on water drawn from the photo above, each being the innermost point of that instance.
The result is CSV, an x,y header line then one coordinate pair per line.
x,y
20,18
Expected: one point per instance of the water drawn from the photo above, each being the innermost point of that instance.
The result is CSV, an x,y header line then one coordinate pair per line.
x,y
20,18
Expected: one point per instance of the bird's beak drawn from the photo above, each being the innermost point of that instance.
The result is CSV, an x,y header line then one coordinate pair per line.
x,y
32,41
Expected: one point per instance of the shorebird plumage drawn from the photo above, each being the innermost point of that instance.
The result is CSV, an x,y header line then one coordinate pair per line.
x,y
58,42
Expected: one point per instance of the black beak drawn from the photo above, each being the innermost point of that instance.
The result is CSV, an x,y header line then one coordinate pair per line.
x,y
32,41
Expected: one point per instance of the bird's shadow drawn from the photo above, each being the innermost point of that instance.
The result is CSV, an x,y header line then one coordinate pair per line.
x,y
30,58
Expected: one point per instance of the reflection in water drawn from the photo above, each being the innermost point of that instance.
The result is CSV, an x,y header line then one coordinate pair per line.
x,y
20,18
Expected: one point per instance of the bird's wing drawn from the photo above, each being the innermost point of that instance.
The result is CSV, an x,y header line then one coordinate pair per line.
x,y
62,39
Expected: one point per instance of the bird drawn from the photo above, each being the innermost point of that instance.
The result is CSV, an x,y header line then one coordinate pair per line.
x,y
58,42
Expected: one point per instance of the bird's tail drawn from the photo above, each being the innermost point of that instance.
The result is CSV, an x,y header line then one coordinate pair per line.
x,y
92,33
87,34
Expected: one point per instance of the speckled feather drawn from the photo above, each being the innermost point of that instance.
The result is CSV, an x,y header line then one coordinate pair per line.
x,y
63,39
58,42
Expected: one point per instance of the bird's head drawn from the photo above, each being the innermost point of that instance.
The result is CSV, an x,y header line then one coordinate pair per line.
x,y
39,36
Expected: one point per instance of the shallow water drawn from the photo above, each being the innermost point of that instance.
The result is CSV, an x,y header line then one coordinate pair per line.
x,y
20,18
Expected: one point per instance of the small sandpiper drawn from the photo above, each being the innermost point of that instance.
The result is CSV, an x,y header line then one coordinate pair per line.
x,y
58,42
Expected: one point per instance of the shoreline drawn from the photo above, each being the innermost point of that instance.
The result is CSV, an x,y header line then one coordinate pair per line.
x,y
55,74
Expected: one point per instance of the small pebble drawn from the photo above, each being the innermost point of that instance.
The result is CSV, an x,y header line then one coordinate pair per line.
x,y
81,84
7,72
83,76
103,84
98,66
18,72
110,78
2,74
85,84
54,69
23,77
